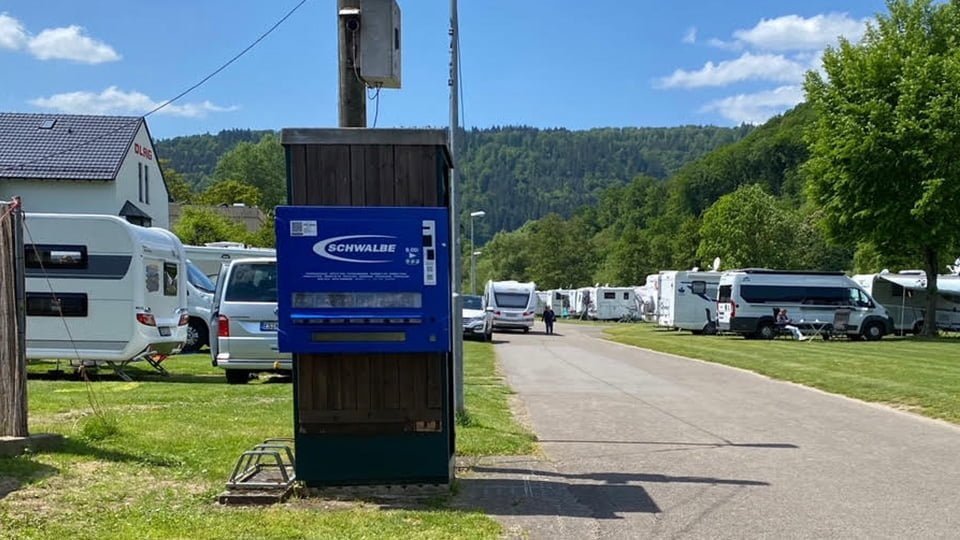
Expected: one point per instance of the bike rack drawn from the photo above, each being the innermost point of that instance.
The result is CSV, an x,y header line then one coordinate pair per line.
x,y
268,466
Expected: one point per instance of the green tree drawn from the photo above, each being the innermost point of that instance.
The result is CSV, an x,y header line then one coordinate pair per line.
x,y
177,187
260,165
197,226
749,228
228,192
265,236
885,147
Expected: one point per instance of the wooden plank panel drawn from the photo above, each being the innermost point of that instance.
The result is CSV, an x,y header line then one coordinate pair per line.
x,y
391,382
368,176
407,370
434,381
386,172
364,388
419,367
335,166
334,383
313,178
358,195
424,168
366,416
348,381
298,174
305,383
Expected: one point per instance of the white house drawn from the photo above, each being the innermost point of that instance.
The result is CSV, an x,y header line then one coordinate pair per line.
x,y
79,164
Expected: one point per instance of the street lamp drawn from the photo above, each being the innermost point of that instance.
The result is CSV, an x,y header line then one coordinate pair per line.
x,y
473,256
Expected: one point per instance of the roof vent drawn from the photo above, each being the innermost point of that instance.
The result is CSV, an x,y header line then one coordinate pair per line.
x,y
48,124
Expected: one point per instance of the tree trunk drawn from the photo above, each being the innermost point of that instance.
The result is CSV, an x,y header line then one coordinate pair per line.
x,y
931,261
13,372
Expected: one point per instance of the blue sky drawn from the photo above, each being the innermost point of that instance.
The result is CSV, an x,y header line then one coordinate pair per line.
x,y
560,63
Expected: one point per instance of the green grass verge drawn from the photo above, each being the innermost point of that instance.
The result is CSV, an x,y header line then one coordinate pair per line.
x,y
151,465
919,375
488,428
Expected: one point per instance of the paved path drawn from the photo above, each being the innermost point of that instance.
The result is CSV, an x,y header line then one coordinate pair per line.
x,y
644,445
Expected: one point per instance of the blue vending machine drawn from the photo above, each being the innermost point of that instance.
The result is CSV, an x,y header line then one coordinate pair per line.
x,y
364,305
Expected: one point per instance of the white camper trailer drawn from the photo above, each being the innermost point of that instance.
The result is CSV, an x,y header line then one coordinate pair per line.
x,y
904,294
688,301
543,297
613,304
513,304
559,302
580,300
211,257
101,290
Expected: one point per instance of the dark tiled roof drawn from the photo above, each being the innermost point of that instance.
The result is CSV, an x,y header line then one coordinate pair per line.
x,y
77,147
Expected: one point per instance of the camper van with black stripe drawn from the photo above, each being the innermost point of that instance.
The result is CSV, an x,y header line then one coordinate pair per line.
x,y
748,300
101,290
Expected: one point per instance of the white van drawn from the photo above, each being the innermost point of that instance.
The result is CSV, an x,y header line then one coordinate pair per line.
x,y
904,294
748,300
612,304
200,289
245,321
120,289
687,300
513,304
211,257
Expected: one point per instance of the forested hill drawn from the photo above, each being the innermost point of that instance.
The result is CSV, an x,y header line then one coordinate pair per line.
x,y
195,156
519,173
513,173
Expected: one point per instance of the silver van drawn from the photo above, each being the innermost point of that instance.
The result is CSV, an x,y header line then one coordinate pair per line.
x,y
245,320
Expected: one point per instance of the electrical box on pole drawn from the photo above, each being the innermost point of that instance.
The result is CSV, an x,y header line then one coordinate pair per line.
x,y
380,43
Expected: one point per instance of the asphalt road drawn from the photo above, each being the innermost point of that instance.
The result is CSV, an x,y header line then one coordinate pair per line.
x,y
644,445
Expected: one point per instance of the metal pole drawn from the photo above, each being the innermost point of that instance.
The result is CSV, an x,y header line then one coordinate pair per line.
x,y
353,92
455,211
473,262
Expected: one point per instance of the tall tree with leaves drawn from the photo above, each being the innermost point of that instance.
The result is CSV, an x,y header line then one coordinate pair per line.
x,y
749,228
177,186
885,147
260,165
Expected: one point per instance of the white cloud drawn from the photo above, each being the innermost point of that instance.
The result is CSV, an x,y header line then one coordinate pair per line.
x,y
721,44
758,107
64,43
12,34
749,66
691,35
796,33
116,101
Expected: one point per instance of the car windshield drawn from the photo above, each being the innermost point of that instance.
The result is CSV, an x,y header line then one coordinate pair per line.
x,y
198,279
472,302
255,282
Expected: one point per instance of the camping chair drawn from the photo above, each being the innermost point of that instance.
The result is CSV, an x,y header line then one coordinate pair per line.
x,y
841,320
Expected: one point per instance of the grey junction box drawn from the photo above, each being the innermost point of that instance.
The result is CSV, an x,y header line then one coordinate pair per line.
x,y
380,43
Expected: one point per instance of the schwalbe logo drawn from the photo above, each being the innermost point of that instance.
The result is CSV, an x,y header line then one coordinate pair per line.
x,y
331,248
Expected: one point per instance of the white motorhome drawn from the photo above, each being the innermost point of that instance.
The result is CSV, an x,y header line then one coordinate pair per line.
x,y
687,300
580,300
513,304
211,257
749,299
904,294
101,290
612,304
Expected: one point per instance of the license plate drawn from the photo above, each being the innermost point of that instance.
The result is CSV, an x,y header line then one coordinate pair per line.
x,y
268,326
165,331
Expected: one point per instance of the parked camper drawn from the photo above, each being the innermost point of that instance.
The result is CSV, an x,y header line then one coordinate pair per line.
x,y
904,294
580,300
513,304
559,302
748,300
101,290
647,298
613,304
688,301
211,257
543,297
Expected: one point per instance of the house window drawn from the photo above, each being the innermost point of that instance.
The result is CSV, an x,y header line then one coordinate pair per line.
x,y
146,184
55,304
49,256
140,181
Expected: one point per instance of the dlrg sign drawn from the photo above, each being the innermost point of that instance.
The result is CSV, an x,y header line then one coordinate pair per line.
x,y
143,151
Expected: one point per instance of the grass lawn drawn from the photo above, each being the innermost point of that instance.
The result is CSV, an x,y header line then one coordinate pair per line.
x,y
154,467
922,376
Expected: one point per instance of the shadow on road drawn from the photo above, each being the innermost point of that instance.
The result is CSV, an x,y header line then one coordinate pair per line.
x,y
669,443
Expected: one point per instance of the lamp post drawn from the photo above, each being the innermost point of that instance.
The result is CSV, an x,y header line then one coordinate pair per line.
x,y
473,254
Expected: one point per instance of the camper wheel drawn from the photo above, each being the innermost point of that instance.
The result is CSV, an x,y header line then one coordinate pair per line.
x,y
526,330
918,328
766,331
710,329
196,336
237,376
873,331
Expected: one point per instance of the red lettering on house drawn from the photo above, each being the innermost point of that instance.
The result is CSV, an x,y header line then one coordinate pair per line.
x,y
142,151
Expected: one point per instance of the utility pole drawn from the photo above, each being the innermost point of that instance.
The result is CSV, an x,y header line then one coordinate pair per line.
x,y
455,208
353,92
13,364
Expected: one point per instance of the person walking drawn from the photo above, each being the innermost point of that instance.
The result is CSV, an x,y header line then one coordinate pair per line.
x,y
548,317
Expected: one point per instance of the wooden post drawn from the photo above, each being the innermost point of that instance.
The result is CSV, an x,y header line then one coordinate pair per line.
x,y
13,365
353,93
